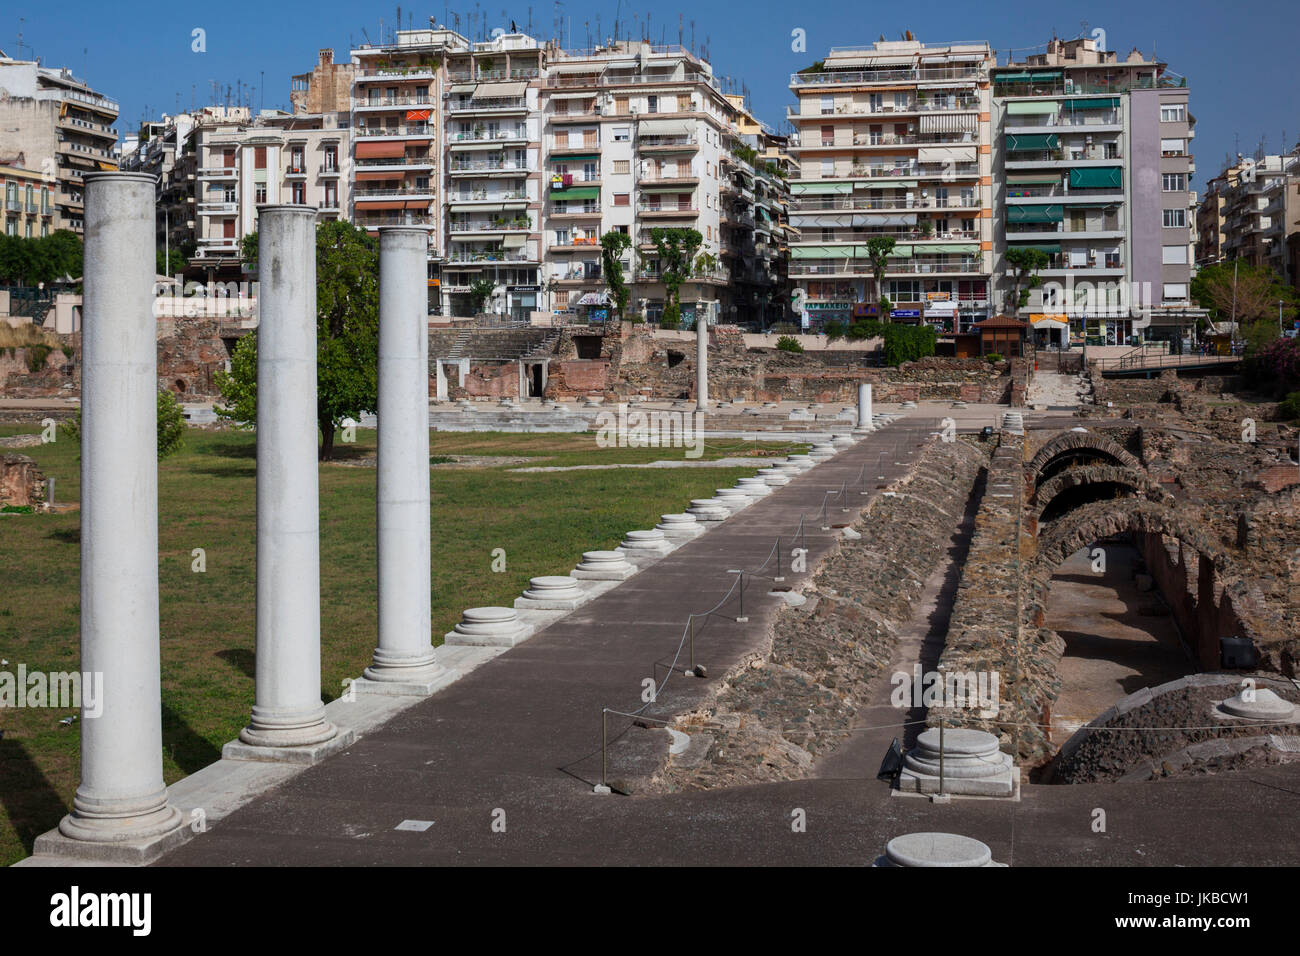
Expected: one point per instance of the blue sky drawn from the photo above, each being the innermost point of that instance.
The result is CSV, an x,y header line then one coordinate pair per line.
x,y
1239,58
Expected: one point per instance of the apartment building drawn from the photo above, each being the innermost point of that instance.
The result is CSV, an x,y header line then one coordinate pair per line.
x,y
56,124
1092,161
894,140
492,115
1211,215
636,137
1260,209
755,197
29,202
218,164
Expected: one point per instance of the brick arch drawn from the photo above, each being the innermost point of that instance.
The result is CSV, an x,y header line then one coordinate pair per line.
x,y
1135,480
1070,441
1101,519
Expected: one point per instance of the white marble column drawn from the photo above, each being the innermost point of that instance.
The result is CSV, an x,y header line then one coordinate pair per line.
x,y
701,361
864,408
121,797
287,709
404,661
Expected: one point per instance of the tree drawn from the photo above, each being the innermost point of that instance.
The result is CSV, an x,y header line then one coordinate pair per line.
x,y
171,264
347,337
1246,293
676,248
45,259
480,290
612,246
1025,264
879,249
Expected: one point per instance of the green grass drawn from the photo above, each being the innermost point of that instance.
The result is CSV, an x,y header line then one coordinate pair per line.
x,y
206,500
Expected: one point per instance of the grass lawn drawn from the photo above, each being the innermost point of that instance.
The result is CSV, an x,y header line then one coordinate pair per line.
x,y
543,521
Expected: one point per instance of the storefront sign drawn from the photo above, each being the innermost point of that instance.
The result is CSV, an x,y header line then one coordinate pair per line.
x,y
904,313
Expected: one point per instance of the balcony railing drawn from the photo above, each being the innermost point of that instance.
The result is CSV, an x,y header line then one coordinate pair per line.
x,y
683,208
494,255
382,102
396,219
864,204
584,210
488,166
417,129
466,104
411,160
856,77
491,226
402,191
487,135
899,266
667,142
482,195
1082,119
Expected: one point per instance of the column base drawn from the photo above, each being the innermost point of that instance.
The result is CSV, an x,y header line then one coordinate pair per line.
x,y
392,682
303,746
126,841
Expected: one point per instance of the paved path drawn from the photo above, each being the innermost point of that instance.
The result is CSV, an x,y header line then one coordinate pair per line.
x,y
517,740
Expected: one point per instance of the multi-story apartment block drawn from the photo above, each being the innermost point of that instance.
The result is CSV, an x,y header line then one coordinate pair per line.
x,y
636,137
893,140
1210,216
59,127
1261,212
218,164
1093,168
492,113
28,202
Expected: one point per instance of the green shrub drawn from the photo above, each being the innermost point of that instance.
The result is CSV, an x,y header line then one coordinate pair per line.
x,y
1290,406
672,317
993,357
36,355
788,343
171,426
834,329
907,343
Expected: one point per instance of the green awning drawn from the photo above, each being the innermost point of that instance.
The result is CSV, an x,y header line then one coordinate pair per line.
x,y
1051,248
1028,179
1045,213
575,159
1097,177
820,188
822,252
582,192
1097,103
1012,78
1028,141
1032,107
1046,77
1088,203
890,184
944,248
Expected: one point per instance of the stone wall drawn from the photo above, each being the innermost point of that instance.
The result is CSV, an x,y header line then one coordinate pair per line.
x,y
801,692
985,633
190,353
56,375
21,483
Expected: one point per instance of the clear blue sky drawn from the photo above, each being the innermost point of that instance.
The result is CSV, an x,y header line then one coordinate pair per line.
x,y
1239,57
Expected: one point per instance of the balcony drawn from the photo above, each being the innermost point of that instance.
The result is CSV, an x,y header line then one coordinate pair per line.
x,y
395,219
493,225
218,208
219,172
296,172
407,192
862,267
960,105
520,73
668,144
565,148
572,243
492,104
581,212
869,204
418,130
587,117
397,164
867,77
655,180
488,167
480,135
667,211
487,256
390,102
412,72
328,171
516,199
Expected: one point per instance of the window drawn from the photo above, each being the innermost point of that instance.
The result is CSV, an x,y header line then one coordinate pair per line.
x,y
259,157
622,199
652,103
683,104
1173,182
621,134
621,167
259,193
828,105
331,195
1172,147
620,105
1175,218
828,135
1174,255
297,161
299,194
1175,291
331,158
828,168
562,298
1173,114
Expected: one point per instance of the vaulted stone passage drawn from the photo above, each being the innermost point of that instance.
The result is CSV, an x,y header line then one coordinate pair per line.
x,y
1075,447
1079,485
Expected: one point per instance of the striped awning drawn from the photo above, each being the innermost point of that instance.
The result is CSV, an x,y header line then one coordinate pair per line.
x,y
387,149
499,90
